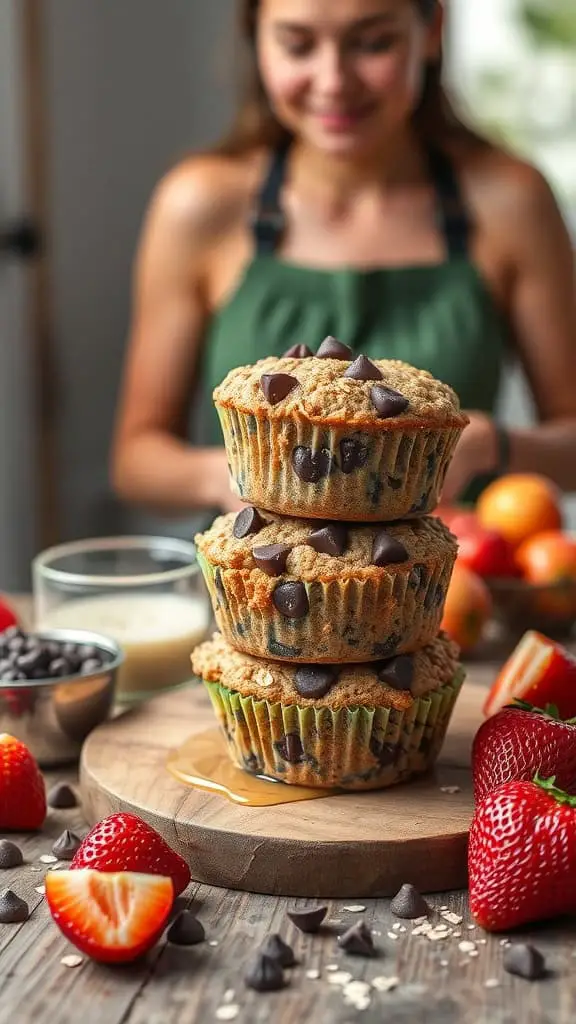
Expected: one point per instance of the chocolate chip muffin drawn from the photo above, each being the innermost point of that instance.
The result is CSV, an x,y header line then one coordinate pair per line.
x,y
345,726
308,591
333,437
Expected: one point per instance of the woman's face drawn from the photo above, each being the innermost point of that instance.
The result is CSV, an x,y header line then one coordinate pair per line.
x,y
345,75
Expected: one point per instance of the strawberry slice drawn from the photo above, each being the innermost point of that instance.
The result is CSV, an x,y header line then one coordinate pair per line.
x,y
113,918
539,672
22,794
123,842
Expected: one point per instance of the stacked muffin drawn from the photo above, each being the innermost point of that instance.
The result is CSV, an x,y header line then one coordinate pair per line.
x,y
329,587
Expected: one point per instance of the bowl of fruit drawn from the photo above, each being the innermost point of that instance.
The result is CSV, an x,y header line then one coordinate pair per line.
x,y
55,687
516,565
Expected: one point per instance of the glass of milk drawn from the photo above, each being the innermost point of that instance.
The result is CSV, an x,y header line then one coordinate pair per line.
x,y
147,593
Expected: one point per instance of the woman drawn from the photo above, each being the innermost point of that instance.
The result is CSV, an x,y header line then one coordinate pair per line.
x,y
348,201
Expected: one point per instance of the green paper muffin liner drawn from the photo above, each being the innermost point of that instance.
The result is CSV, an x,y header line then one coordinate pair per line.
x,y
352,748
398,473
348,621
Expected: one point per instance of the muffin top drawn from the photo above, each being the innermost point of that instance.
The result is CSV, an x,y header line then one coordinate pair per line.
x,y
382,394
394,683
314,550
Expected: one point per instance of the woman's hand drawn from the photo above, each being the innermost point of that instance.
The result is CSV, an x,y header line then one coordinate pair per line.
x,y
476,453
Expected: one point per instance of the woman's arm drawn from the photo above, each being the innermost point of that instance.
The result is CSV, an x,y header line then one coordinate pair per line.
x,y
542,312
152,463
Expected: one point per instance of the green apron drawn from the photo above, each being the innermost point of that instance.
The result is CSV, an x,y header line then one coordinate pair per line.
x,y
439,317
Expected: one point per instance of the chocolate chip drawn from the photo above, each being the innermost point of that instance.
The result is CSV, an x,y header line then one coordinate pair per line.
x,y
525,961
298,352
409,904
418,577
13,910
66,845
276,949
363,369
388,647
59,667
314,681
247,521
388,402
291,600
308,921
331,348
291,749
62,796
277,386
385,753
353,455
186,930
10,855
272,558
265,975
398,672
357,940
329,540
88,651
311,466
386,550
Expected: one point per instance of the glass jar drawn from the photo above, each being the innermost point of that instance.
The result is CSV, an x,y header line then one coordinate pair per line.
x,y
147,593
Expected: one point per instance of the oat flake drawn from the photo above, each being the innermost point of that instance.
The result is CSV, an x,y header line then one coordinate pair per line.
x,y
227,1012
72,960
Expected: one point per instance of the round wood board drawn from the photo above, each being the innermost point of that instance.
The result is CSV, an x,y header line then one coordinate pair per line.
x,y
352,845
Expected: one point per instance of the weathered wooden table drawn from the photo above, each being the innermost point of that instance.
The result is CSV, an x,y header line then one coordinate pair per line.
x,y
437,982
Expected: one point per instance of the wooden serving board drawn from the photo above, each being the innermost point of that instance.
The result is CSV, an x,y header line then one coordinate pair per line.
x,y
350,846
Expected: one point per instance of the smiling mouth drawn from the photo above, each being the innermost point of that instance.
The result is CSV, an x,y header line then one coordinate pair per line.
x,y
341,119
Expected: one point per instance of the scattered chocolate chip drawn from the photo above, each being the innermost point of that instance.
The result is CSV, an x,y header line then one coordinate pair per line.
x,y
357,940
247,521
386,550
291,749
298,352
276,949
308,921
186,930
331,348
13,910
291,600
409,904
66,845
388,402
62,796
277,386
329,540
353,455
398,672
265,975
272,558
525,961
314,681
311,466
363,369
10,855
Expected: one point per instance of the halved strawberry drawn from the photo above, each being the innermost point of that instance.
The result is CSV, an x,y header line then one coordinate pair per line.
x,y
22,794
123,842
539,672
113,918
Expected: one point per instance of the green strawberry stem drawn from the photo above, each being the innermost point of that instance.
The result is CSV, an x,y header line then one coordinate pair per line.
x,y
550,710
549,786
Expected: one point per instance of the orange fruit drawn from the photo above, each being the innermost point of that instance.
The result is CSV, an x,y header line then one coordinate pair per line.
x,y
520,505
467,609
550,558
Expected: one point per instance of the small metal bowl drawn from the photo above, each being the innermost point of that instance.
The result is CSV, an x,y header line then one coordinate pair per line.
x,y
54,716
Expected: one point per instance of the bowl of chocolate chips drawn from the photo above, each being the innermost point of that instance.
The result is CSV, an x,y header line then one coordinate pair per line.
x,y
55,687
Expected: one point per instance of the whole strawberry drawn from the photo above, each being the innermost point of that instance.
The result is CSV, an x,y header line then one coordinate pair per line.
x,y
521,741
22,793
123,843
522,855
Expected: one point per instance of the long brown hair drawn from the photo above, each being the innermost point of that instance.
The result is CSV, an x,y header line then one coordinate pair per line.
x,y
255,124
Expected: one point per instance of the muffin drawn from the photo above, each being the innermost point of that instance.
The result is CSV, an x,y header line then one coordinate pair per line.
x,y
348,727
329,437
307,591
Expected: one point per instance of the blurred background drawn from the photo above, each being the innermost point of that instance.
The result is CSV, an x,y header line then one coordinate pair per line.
x,y
97,99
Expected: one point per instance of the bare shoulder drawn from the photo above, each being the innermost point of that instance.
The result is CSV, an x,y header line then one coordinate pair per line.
x,y
509,197
205,195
